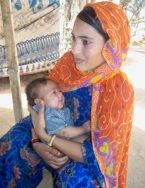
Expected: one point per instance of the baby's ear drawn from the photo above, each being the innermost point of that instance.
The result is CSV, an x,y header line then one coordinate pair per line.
x,y
36,101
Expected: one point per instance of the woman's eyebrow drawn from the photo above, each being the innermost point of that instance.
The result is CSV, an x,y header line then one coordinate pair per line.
x,y
82,36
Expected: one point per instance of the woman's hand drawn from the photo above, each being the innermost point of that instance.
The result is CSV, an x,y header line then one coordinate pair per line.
x,y
50,155
38,120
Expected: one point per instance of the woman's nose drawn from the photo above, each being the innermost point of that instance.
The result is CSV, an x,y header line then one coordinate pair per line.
x,y
76,47
59,94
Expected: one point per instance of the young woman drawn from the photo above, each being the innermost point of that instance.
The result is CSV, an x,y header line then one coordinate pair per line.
x,y
95,89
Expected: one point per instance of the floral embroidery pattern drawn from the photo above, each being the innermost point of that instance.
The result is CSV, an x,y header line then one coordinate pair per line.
x,y
18,162
32,161
76,105
12,183
4,147
16,172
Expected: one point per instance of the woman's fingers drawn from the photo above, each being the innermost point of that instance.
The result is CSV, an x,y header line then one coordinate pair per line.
x,y
49,155
57,162
34,116
41,121
41,111
54,158
54,166
41,107
32,112
37,118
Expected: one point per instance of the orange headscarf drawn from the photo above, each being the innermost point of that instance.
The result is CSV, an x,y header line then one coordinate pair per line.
x,y
112,100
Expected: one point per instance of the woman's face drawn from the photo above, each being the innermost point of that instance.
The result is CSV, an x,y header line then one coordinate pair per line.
x,y
87,45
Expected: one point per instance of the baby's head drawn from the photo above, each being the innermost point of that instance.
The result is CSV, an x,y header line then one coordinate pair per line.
x,y
46,90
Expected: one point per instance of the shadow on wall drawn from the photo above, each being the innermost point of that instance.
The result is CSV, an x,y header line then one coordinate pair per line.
x,y
140,97
7,119
136,165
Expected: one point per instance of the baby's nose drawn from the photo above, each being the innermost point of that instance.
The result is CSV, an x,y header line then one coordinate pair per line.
x,y
59,94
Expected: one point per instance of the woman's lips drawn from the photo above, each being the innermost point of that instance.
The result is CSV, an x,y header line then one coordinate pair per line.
x,y
79,61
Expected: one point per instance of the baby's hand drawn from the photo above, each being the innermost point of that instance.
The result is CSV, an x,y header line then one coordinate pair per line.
x,y
87,126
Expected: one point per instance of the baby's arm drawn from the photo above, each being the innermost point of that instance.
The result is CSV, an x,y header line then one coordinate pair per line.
x,y
70,132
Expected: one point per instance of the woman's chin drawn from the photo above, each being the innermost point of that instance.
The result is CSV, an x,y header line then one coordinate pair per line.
x,y
81,68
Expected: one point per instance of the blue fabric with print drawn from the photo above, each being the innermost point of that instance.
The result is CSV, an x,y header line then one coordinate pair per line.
x,y
56,119
21,167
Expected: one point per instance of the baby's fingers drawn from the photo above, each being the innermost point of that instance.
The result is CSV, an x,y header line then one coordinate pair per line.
x,y
41,121
34,115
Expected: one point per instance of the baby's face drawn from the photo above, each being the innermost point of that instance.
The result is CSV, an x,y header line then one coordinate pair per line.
x,y
52,95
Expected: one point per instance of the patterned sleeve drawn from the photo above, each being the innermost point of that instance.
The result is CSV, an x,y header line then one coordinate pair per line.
x,y
91,162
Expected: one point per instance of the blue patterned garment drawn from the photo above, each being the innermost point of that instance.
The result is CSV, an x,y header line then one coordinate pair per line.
x,y
21,167
56,119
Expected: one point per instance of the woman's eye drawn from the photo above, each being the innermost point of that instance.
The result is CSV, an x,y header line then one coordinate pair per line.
x,y
73,37
86,42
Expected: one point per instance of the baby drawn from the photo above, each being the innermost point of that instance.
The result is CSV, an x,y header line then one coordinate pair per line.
x,y
58,118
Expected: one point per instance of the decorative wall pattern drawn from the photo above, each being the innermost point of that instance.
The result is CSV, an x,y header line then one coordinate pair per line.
x,y
36,55
37,51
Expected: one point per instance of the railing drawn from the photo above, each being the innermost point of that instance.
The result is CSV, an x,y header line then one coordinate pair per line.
x,y
34,55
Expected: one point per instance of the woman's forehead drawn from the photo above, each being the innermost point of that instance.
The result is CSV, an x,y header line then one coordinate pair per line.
x,y
82,29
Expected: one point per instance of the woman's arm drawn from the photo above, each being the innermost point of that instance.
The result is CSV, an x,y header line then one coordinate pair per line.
x,y
69,148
